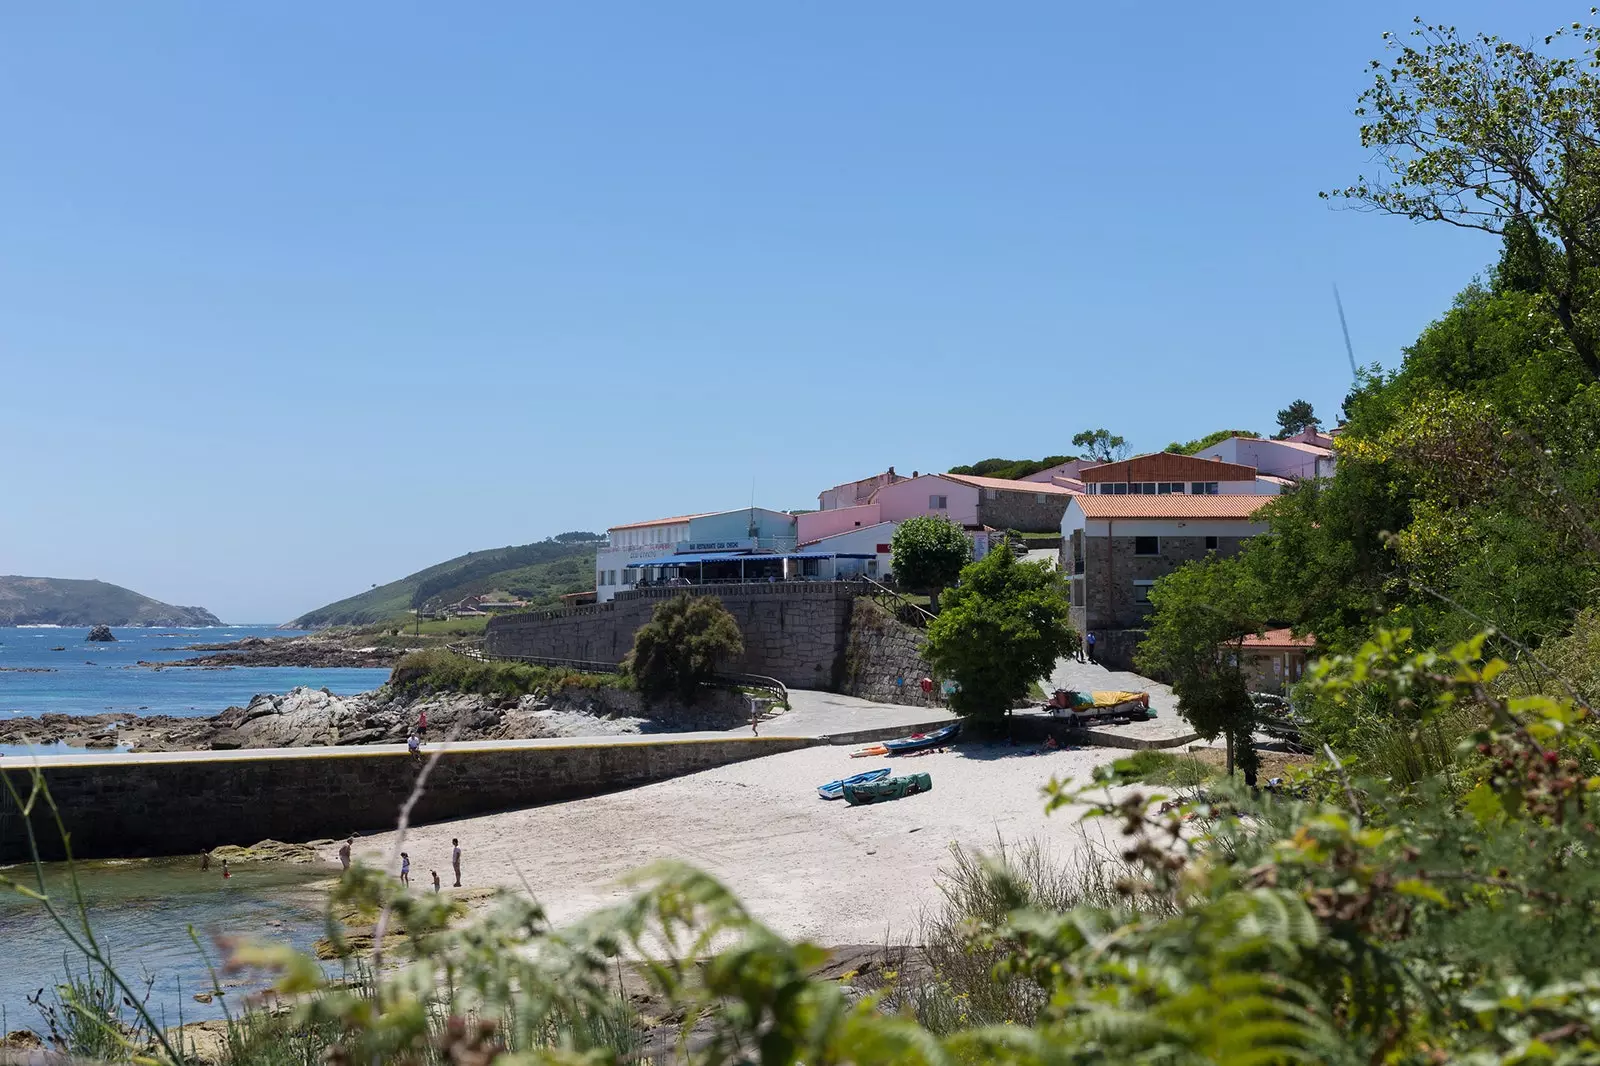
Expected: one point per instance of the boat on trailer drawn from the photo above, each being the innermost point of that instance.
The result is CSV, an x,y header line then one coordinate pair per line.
x,y
1099,708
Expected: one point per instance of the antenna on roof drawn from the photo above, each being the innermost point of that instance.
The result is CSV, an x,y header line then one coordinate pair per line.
x,y
753,528
1355,375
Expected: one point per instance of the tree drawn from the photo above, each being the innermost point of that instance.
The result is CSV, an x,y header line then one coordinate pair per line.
x,y
929,552
681,646
1101,445
999,631
1203,612
1201,443
1482,133
1297,416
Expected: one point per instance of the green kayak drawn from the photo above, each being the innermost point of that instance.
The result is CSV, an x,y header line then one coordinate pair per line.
x,y
890,788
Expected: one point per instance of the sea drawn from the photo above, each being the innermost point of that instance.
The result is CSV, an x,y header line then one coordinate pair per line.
x,y
143,910
57,670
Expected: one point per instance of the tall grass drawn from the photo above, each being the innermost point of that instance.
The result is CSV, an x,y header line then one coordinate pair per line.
x,y
978,892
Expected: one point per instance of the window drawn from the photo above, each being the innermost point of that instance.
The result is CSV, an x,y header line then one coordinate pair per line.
x,y
1148,488
993,494
938,503
1040,497
613,580
1211,544
599,578
1147,545
1203,488
1141,591
1119,489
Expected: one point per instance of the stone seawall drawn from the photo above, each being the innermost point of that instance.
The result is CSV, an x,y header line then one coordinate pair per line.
x,y
793,631
181,802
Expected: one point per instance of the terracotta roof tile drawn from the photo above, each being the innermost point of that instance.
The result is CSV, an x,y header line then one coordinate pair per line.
x,y
1007,485
1174,506
662,521
1278,638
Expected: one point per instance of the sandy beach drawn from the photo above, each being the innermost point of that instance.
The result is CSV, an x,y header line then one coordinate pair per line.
x,y
813,869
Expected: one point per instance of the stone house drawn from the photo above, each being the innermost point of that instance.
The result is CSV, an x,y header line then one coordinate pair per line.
x,y
1115,547
1026,506
1276,659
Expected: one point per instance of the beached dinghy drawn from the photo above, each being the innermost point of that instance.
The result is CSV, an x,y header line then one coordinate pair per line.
x,y
835,789
917,742
890,788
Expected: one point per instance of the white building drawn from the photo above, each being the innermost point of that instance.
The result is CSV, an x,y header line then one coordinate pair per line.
x,y
874,539
631,543
1306,455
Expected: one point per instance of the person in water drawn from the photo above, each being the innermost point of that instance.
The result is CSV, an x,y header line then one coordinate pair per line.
x,y
225,872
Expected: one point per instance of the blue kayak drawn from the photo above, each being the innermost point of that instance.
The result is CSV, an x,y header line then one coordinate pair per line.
x,y
835,789
937,739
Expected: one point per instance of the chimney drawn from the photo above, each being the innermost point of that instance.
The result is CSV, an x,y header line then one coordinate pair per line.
x,y
914,474
891,471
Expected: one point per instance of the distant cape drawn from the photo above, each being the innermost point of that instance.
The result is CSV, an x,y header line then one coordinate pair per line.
x,y
32,601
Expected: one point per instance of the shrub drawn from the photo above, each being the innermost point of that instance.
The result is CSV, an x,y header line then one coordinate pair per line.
x,y
929,552
1000,630
681,646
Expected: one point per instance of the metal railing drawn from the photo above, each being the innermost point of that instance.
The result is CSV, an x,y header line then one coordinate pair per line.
x,y
882,591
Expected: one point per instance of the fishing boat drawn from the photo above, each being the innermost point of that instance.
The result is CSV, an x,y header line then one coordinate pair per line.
x,y
916,742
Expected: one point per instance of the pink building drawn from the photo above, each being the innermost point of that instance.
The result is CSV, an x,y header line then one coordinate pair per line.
x,y
855,493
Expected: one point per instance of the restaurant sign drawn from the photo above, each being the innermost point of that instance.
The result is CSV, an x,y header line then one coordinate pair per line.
x,y
716,546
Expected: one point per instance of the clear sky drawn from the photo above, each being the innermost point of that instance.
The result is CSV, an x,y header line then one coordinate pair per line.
x,y
297,298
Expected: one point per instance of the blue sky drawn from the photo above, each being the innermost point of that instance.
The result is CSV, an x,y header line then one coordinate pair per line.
x,y
299,298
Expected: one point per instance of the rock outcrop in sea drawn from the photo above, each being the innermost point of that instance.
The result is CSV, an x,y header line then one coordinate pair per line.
x,y
101,633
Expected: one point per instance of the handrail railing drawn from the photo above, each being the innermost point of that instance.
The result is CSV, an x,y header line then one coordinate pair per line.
x,y
898,597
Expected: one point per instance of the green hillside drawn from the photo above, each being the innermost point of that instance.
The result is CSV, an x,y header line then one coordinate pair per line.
x,y
539,573
67,602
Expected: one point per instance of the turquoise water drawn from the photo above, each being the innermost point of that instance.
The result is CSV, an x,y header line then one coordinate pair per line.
x,y
141,911
88,678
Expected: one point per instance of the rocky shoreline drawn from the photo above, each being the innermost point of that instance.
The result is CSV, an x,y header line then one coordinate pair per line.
x,y
317,651
307,717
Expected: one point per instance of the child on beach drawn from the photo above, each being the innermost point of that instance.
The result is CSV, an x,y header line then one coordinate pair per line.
x,y
435,874
405,869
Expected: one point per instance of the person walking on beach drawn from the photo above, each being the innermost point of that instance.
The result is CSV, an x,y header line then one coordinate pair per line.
x,y
405,869
344,852
1089,642
435,874
455,859
205,861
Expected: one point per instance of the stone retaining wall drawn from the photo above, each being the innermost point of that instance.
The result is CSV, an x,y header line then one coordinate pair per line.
x,y
170,805
881,649
793,631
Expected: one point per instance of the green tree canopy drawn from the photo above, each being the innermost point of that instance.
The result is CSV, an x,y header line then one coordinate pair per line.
x,y
1101,445
1297,416
1483,133
999,631
1201,443
682,645
929,552
1203,612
